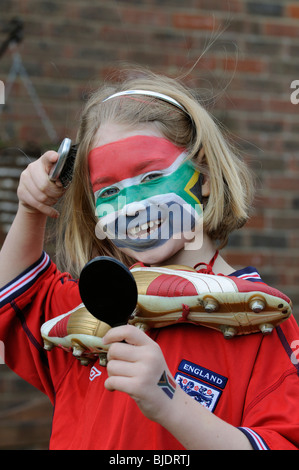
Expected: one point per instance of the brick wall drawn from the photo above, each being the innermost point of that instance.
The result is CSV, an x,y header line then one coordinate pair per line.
x,y
245,77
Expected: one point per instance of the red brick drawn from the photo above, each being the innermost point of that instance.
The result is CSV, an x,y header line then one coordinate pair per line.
x,y
240,259
283,106
280,183
244,65
245,103
152,17
293,163
281,30
196,22
271,202
256,222
285,222
235,6
293,11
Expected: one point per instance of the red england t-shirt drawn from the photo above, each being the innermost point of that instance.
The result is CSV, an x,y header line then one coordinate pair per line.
x,y
251,382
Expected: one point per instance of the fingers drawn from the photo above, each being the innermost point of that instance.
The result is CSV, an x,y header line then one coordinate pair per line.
x,y
129,362
36,192
120,368
49,159
122,351
122,357
128,333
120,383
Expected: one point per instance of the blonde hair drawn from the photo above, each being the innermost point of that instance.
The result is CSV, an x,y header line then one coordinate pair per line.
x,y
231,184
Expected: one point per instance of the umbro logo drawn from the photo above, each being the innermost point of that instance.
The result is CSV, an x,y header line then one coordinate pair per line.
x,y
94,373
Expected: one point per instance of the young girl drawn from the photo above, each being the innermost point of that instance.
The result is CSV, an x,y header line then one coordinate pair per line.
x,y
144,146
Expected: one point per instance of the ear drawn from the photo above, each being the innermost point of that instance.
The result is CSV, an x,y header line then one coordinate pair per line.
x,y
201,159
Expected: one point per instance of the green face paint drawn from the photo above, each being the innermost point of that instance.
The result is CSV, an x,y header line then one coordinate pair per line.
x,y
184,182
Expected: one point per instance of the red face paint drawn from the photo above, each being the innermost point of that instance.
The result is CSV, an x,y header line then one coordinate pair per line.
x,y
127,158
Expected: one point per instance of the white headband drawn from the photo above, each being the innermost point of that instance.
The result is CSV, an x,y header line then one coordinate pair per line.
x,y
155,94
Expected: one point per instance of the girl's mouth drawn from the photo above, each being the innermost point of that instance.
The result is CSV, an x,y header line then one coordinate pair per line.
x,y
144,230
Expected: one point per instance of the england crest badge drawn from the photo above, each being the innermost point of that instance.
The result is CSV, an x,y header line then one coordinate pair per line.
x,y
197,383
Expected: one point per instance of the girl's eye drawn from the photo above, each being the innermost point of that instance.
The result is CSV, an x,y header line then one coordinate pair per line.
x,y
109,192
151,176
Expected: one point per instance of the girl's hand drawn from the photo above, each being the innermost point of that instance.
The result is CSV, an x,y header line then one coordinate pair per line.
x,y
138,367
36,193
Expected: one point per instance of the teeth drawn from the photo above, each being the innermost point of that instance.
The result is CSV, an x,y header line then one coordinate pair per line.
x,y
153,224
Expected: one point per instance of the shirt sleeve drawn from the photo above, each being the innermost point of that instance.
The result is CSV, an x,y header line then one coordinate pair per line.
x,y
271,415
38,294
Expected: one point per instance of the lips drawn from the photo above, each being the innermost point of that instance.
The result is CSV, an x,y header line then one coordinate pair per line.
x,y
151,228
144,230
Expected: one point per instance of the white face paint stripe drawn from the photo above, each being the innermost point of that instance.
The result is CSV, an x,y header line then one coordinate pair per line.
x,y
154,201
126,183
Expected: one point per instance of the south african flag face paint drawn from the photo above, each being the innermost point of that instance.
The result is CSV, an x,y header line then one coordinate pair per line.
x,y
146,192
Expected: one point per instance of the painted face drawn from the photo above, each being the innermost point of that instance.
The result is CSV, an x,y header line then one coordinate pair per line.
x,y
145,191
